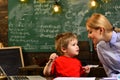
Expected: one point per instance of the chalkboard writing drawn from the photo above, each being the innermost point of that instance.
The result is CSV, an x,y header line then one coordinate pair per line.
x,y
10,59
34,26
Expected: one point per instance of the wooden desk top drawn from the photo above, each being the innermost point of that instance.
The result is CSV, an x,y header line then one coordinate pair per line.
x,y
31,67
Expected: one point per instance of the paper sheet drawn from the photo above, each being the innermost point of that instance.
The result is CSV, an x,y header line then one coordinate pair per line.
x,y
74,78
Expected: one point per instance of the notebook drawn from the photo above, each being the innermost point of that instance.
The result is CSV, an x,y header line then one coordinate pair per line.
x,y
2,72
74,78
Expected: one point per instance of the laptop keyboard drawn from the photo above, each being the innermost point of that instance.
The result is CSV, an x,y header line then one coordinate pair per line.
x,y
13,77
20,78
1,72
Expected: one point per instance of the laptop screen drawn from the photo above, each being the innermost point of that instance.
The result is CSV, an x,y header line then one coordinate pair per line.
x,y
11,59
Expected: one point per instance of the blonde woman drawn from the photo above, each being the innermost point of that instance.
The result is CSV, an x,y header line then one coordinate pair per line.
x,y
106,40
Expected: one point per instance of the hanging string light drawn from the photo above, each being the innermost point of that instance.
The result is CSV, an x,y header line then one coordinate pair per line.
x,y
23,1
42,1
93,4
106,1
56,7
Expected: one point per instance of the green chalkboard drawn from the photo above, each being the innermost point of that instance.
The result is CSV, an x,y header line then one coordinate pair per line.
x,y
34,26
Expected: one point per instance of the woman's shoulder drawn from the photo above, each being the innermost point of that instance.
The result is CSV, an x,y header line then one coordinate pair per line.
x,y
101,43
118,36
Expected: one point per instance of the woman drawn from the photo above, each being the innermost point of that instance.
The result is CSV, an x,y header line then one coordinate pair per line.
x,y
106,40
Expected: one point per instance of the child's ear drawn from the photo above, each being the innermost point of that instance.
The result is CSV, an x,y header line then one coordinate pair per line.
x,y
63,49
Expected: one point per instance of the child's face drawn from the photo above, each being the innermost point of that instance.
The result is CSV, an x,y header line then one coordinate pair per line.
x,y
94,34
73,48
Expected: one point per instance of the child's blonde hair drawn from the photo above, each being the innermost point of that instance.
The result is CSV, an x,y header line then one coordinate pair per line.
x,y
98,20
62,40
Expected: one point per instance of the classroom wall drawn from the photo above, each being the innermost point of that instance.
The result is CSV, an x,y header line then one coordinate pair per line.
x,y
4,22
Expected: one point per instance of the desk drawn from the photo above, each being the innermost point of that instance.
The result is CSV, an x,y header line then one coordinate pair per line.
x,y
31,70
97,72
36,70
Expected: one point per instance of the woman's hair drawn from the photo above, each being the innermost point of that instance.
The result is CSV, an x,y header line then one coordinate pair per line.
x,y
98,20
62,40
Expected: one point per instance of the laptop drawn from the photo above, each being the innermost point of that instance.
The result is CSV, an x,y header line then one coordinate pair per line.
x,y
35,77
11,58
2,72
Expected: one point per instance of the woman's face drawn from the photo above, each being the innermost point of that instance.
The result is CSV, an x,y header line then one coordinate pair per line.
x,y
94,34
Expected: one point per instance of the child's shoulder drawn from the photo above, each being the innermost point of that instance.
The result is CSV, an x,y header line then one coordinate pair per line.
x,y
66,58
60,57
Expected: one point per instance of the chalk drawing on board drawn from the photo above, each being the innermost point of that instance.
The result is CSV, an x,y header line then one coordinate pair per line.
x,y
114,18
77,15
19,10
19,17
77,2
30,47
43,9
112,11
34,27
46,46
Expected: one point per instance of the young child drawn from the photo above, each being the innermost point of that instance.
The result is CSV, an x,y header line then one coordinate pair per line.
x,y
65,65
106,40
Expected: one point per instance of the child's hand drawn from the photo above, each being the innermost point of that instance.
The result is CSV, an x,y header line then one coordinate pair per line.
x,y
53,56
87,69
